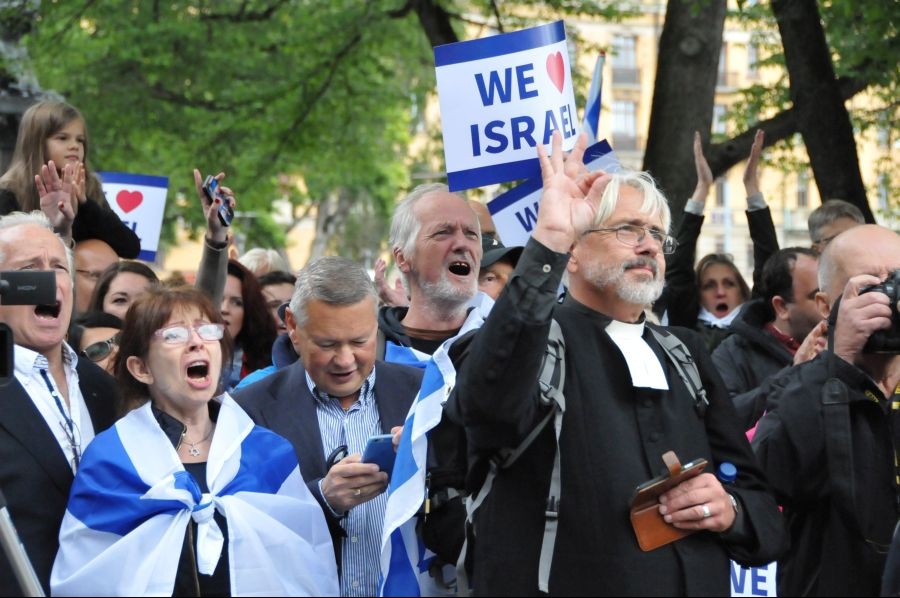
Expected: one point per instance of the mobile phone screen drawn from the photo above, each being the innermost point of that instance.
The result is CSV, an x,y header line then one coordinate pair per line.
x,y
380,450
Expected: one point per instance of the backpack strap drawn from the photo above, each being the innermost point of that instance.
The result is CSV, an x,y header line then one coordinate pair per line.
x,y
684,364
551,383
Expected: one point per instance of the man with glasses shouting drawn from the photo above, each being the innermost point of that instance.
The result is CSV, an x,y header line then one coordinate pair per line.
x,y
52,407
556,518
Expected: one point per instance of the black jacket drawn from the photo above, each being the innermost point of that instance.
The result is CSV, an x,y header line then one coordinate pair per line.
x,y
747,358
681,297
613,436
34,474
283,403
831,552
93,221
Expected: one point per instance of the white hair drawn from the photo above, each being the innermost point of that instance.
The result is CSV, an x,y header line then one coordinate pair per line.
x,y
655,202
35,218
333,280
260,261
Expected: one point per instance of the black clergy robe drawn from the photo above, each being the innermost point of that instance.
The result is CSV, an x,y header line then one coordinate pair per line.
x,y
613,437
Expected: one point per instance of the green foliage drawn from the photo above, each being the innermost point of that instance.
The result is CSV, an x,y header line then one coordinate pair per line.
x,y
319,90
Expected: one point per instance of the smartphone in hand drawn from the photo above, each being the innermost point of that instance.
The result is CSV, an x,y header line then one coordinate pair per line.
x,y
212,191
380,450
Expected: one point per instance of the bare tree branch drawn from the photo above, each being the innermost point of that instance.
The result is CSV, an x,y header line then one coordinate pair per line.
x,y
243,16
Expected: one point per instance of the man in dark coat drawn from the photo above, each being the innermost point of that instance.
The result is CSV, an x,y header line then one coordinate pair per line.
x,y
331,401
768,334
626,406
52,405
832,457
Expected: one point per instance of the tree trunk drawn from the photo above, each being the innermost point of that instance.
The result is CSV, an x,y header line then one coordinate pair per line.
x,y
684,94
819,108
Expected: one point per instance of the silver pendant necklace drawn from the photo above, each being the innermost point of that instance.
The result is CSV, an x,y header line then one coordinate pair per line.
x,y
193,451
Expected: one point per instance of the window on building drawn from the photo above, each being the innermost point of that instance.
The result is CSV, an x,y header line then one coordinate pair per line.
x,y
623,52
720,244
624,125
884,191
883,135
624,60
752,60
721,193
803,190
718,124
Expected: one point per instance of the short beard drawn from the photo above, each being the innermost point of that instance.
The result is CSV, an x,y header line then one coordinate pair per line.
x,y
639,293
445,294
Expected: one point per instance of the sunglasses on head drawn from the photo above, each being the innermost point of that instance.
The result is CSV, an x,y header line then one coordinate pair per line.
x,y
101,349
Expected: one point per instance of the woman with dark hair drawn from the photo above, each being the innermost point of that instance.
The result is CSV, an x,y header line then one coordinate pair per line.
x,y
185,496
709,297
120,285
249,322
95,335
52,146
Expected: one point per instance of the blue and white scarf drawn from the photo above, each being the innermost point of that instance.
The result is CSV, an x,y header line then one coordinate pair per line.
x,y
132,501
404,558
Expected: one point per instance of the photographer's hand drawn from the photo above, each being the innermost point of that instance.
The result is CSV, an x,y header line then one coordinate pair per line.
x,y
859,316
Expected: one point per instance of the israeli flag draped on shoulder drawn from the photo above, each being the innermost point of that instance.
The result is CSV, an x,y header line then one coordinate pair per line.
x,y
591,123
132,501
404,558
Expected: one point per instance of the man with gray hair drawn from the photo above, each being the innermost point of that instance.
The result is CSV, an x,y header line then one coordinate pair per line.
x,y
54,403
330,401
436,242
556,519
830,219
830,439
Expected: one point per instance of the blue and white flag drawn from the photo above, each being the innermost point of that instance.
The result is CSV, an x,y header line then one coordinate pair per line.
x,y
132,501
591,123
404,558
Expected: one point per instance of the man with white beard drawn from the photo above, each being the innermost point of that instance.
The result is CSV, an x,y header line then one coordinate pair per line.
x,y
436,241
564,529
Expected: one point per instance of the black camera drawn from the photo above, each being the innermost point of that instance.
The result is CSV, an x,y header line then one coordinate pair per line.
x,y
21,288
212,191
886,341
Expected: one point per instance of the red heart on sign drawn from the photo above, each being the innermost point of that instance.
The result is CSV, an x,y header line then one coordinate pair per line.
x,y
557,70
129,200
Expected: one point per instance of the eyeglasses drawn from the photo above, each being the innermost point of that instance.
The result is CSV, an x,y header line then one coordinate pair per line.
x,y
101,349
180,334
633,235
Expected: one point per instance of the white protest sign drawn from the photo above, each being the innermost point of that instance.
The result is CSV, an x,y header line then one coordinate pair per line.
x,y
515,212
140,202
753,581
500,96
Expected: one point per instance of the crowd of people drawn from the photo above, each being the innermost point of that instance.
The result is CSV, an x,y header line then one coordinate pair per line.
x,y
208,439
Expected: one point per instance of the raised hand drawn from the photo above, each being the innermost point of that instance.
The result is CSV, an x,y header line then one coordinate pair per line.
x,y
58,201
389,296
813,344
570,196
216,231
751,174
704,173
80,183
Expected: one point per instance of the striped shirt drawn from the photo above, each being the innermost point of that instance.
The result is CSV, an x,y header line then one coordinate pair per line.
x,y
361,549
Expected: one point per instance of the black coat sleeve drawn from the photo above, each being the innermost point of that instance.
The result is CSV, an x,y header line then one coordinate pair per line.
x,y
498,372
765,243
765,538
94,221
683,296
8,202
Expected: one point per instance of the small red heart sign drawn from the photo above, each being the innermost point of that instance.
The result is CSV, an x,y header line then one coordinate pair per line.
x,y
556,70
129,200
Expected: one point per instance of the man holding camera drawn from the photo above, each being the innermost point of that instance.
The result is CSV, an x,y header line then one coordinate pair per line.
x,y
52,404
829,441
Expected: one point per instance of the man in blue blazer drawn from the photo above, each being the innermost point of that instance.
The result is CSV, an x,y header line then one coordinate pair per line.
x,y
331,401
52,403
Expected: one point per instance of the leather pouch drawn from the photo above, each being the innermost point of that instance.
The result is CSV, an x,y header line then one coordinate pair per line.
x,y
651,529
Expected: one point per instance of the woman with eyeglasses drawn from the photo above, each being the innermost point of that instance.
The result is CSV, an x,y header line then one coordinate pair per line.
x,y
185,495
709,298
95,336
